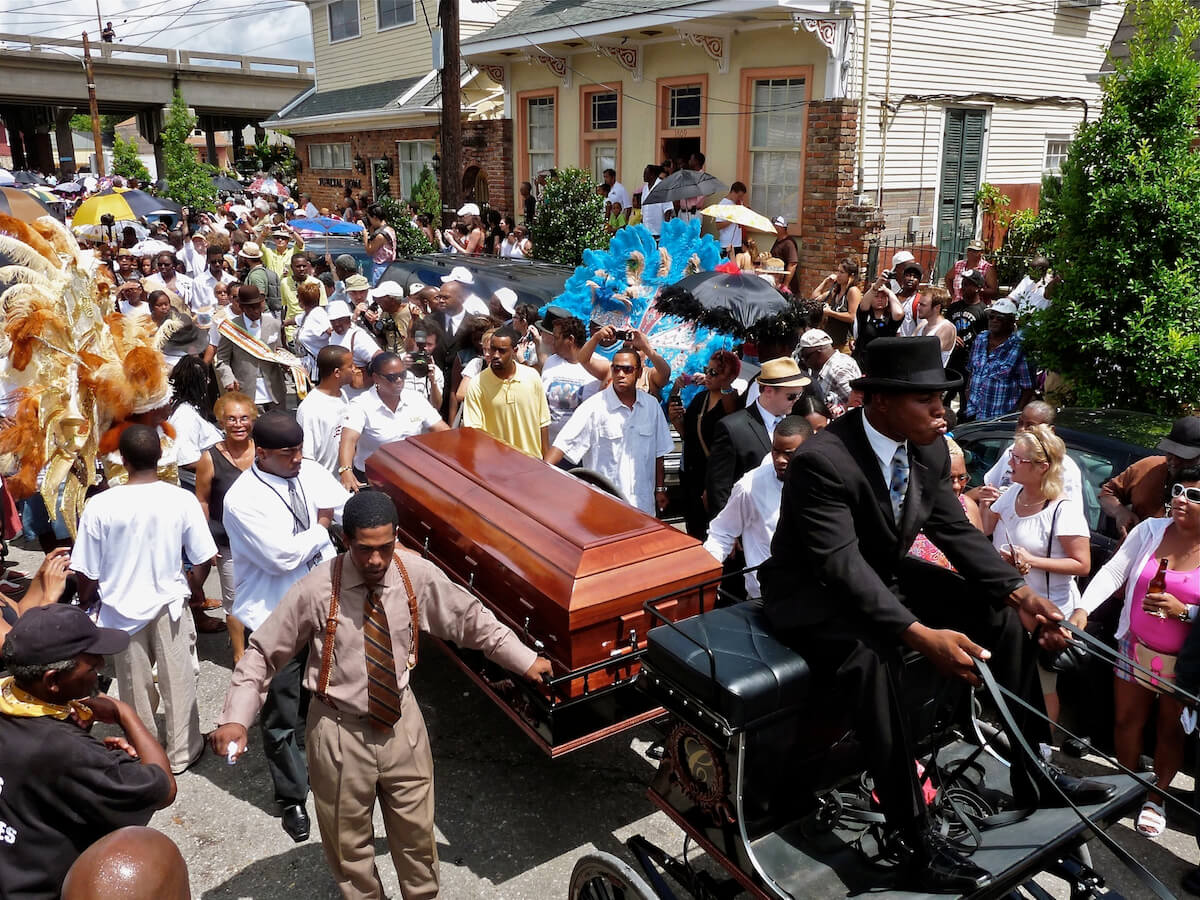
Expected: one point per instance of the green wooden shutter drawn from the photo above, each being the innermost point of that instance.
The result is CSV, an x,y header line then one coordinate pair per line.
x,y
962,167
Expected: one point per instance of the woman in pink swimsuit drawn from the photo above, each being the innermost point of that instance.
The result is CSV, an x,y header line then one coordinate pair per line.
x,y
1152,630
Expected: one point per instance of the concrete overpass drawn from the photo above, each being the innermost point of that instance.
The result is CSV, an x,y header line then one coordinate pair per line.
x,y
42,84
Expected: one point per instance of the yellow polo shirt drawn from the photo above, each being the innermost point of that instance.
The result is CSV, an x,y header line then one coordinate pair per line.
x,y
513,410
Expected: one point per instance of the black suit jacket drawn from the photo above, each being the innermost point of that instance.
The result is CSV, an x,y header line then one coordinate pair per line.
x,y
837,550
740,443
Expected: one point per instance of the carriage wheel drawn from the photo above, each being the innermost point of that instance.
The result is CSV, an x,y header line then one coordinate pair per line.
x,y
602,876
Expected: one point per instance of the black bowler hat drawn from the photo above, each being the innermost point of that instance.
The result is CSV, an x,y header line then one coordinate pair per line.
x,y
57,632
905,365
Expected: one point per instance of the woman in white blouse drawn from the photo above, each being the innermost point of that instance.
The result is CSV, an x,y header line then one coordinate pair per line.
x,y
1042,532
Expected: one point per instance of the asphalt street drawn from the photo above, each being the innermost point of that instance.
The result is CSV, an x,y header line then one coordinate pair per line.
x,y
511,823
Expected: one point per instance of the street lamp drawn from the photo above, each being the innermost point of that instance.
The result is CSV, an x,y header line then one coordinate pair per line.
x,y
437,163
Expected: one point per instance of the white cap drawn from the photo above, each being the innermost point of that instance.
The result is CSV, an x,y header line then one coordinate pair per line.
x,y
388,289
337,309
900,257
469,209
461,274
814,337
1003,307
508,299
415,288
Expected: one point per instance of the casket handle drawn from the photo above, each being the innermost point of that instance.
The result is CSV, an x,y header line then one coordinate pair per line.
x,y
529,639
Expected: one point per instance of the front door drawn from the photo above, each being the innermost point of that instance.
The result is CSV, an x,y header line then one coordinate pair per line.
x,y
962,166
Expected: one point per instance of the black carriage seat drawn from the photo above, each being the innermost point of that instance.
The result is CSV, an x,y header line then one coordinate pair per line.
x,y
757,677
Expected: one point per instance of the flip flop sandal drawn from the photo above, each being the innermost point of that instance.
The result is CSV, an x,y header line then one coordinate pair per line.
x,y
1152,820
211,603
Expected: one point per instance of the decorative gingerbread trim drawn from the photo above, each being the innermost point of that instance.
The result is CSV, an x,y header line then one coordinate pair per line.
x,y
495,73
555,64
826,31
628,58
715,46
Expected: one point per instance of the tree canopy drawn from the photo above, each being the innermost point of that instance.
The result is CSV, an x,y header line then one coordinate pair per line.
x,y
189,181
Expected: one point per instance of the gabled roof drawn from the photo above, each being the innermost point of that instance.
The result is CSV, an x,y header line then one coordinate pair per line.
x,y
533,16
364,97
1118,49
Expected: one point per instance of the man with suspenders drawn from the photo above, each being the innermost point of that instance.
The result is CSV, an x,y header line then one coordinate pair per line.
x,y
360,615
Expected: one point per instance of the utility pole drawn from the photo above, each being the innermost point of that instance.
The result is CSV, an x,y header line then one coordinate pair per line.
x,y
95,110
451,167
99,24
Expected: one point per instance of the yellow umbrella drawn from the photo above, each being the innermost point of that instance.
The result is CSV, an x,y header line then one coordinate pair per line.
x,y
121,204
738,215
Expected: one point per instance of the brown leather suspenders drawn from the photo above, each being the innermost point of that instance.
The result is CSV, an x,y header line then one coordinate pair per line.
x,y
331,622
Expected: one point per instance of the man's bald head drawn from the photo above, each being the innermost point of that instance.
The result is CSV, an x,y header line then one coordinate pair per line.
x,y
1035,413
132,863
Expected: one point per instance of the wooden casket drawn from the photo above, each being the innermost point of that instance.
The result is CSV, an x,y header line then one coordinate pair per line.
x,y
564,564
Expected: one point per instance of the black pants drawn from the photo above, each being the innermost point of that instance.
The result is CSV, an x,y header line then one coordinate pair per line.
x,y
282,725
864,669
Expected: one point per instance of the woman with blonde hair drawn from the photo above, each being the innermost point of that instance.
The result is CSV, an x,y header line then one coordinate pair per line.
x,y
219,467
1042,532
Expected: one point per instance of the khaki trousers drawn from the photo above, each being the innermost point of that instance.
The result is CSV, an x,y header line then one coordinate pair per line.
x,y
170,645
350,765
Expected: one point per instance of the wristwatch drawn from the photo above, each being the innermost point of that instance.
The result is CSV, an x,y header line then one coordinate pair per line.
x,y
342,469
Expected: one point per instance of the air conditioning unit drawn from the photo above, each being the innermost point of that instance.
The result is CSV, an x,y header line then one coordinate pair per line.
x,y
1079,4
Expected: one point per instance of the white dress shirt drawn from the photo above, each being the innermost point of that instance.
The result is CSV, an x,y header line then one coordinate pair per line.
x,y
267,557
730,235
653,213
202,288
883,447
620,443
750,515
617,194
769,419
262,394
377,425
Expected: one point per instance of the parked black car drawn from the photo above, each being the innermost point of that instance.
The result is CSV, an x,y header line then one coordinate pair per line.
x,y
534,282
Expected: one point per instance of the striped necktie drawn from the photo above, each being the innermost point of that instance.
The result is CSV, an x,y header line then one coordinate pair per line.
x,y
898,485
383,691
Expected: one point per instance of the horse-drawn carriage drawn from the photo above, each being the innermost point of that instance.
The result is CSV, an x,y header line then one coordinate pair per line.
x,y
759,768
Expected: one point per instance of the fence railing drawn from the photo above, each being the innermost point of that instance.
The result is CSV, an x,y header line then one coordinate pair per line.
x,y
934,261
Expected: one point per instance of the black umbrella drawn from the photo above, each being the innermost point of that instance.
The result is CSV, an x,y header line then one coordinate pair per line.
x,y
225,183
734,303
24,176
684,185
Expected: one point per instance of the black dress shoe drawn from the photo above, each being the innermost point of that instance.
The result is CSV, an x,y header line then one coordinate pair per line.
x,y
1082,791
296,823
929,865
1191,882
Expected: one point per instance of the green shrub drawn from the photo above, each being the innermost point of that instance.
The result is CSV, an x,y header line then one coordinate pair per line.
x,y
1124,326
426,196
570,218
409,241
126,162
189,181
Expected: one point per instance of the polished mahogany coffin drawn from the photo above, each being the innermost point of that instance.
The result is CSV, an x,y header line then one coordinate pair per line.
x,y
564,564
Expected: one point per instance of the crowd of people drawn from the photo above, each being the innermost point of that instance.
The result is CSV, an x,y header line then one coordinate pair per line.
x,y
289,369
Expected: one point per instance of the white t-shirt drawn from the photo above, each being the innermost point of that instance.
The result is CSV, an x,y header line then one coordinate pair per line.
x,y
313,333
652,213
567,385
1033,533
618,194
415,384
620,443
730,235
193,434
132,539
1000,474
377,425
320,415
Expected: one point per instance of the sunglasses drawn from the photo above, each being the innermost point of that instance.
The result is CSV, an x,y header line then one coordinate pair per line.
x,y
623,369
1024,460
794,397
393,377
1191,494
957,478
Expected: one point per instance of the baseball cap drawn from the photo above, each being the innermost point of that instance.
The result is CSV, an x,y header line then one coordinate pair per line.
x,y
974,276
508,299
1003,307
388,289
1183,441
779,222
977,245
337,309
469,209
56,632
415,288
815,337
357,283
461,274
900,257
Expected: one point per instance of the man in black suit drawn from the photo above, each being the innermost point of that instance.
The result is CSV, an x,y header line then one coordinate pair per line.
x,y
840,590
743,438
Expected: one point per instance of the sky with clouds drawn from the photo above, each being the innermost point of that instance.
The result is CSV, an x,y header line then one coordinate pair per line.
x,y
254,27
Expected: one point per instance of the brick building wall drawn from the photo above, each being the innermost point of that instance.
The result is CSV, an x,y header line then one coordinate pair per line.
x,y
833,226
486,145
